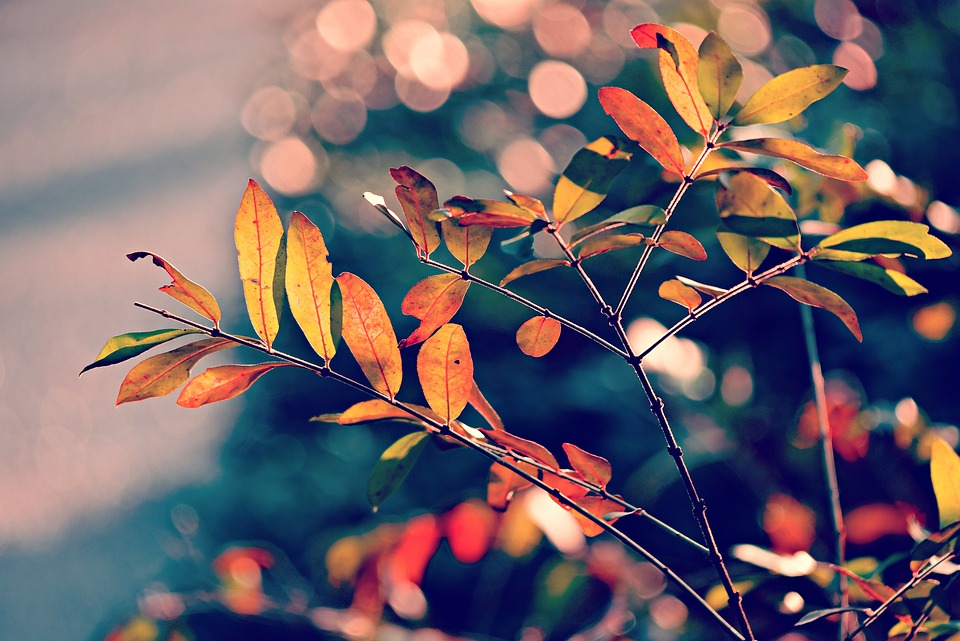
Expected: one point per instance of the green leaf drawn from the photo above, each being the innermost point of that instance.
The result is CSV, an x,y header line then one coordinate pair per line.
x,y
161,374
892,280
604,244
126,346
641,215
533,267
746,253
882,237
815,295
682,244
642,124
676,292
719,75
830,165
586,180
394,465
788,94
810,617
945,474
520,246
709,290
751,208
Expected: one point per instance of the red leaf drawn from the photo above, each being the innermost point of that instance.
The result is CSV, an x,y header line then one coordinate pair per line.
x,y
641,123
595,469
483,406
504,483
469,528
488,213
434,301
522,446
222,383
682,244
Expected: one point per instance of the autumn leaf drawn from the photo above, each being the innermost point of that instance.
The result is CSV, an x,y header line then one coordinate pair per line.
x,y
184,290
745,252
394,465
586,180
641,215
613,242
309,280
488,213
470,527
945,473
881,237
719,75
817,296
504,483
480,403
768,176
595,469
788,94
377,409
258,233
418,199
709,290
682,244
830,165
467,244
641,123
433,301
889,279
533,267
369,334
126,346
751,208
537,336
445,368
600,507
222,383
676,292
522,446
161,374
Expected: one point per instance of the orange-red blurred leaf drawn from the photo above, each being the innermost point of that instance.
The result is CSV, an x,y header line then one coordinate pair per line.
x,y
485,409
873,590
369,335
832,166
309,280
222,383
407,562
788,94
599,507
241,578
469,528
258,233
816,296
467,244
161,374
522,446
418,198
682,244
641,123
185,290
678,69
676,292
488,213
537,336
533,267
504,483
595,469
445,368
790,524
434,301
868,523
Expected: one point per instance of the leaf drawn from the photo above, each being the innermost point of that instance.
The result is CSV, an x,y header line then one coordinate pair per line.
x,y
751,208
537,336
892,280
504,483
445,368
788,94
745,252
529,204
830,165
222,383
641,123
488,213
772,178
586,180
595,469
810,617
678,69
369,335
600,507
519,246
434,301
676,292
418,198
161,374
467,244
394,465
377,409
484,408
309,281
604,244
533,267
126,346
258,233
709,290
522,446
185,290
719,75
381,205
814,295
933,544
682,244
945,474
882,237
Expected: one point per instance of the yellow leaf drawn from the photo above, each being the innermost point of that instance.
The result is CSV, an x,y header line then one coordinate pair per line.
x,y
434,301
222,383
788,94
830,165
309,280
185,290
445,368
369,335
537,336
161,374
258,233
945,473
676,292
467,244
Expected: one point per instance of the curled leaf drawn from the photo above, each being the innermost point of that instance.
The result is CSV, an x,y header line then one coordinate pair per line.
x,y
369,334
418,199
719,75
184,290
381,205
222,383
488,213
528,203
161,374
537,336
788,94
676,292
830,165
533,267
595,469
586,180
772,178
815,295
642,124
445,368
434,301
682,244
394,465
126,346
309,281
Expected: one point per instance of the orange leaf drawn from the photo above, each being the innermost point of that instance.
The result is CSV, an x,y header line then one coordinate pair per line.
x,y
161,374
407,562
309,281
830,165
814,295
533,267
641,123
369,335
469,528
537,336
185,290
503,484
598,506
678,68
595,469
488,213
676,292
522,446
379,410
612,242
483,406
418,198
529,204
563,483
467,244
445,368
258,233
682,244
434,301
222,383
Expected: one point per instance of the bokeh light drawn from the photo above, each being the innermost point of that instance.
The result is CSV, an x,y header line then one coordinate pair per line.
x,y
745,27
347,25
508,14
269,114
291,167
526,166
557,89
561,30
863,73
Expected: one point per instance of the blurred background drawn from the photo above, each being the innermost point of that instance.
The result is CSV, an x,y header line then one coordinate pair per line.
x,y
130,126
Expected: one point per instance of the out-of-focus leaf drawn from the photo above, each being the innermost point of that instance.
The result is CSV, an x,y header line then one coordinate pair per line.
x,y
222,383
641,215
889,279
945,474
488,213
745,252
185,290
586,180
126,346
676,292
600,507
682,244
830,165
810,617
418,199
788,94
537,336
709,290
678,69
161,374
772,178
394,465
519,246
815,295
641,123
467,244
719,75
750,207
595,469
258,233
874,590
533,267
445,368
522,446
604,244
381,205
309,281
434,301
528,203
504,483
882,237
470,527
369,334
